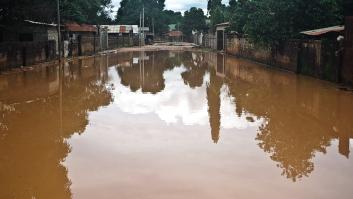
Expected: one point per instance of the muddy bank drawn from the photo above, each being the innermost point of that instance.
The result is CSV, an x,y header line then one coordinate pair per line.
x,y
170,46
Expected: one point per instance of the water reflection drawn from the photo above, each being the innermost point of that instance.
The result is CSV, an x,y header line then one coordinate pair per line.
x,y
40,110
295,117
302,116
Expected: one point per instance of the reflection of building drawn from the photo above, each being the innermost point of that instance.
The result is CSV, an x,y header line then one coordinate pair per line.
x,y
41,109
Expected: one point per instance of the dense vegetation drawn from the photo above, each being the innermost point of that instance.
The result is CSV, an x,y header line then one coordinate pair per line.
x,y
270,22
155,15
194,19
267,22
82,11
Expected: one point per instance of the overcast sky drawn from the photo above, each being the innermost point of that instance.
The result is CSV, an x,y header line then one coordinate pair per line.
x,y
177,5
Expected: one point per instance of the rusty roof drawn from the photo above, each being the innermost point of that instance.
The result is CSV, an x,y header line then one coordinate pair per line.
x,y
223,24
175,33
74,27
321,31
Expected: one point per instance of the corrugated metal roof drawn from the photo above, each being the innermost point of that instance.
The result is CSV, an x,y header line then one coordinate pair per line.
x,y
322,31
175,34
74,27
121,28
223,24
40,23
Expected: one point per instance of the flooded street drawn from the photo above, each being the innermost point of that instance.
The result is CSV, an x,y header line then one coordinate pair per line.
x,y
170,124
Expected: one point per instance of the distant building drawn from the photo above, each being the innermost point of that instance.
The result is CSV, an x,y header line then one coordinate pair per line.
x,y
81,38
121,29
175,36
28,31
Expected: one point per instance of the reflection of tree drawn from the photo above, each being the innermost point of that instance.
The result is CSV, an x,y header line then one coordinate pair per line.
x,y
196,70
298,113
31,152
33,146
293,151
148,73
214,104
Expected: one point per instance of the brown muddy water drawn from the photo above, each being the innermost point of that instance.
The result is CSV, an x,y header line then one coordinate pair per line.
x,y
173,125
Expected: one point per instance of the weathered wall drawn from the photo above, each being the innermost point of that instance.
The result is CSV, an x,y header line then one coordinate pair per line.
x,y
319,58
115,41
209,41
88,44
284,57
15,54
347,66
316,58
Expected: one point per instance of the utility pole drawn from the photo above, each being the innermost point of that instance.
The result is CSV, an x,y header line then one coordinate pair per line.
x,y
59,34
140,31
143,25
153,27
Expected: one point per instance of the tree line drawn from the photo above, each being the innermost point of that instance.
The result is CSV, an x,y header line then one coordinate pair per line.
x,y
81,11
270,22
267,22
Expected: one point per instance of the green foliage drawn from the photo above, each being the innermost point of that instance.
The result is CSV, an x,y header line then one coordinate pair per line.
x,y
271,22
86,11
129,13
82,11
194,19
218,12
213,4
172,17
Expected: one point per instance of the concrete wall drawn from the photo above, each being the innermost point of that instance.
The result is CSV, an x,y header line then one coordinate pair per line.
x,y
116,41
15,54
285,57
347,66
88,42
315,58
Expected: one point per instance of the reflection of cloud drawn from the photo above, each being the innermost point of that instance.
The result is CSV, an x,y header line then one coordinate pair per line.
x,y
178,102
229,118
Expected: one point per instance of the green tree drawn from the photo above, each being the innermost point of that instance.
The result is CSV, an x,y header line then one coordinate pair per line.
x,y
271,22
172,17
213,4
218,12
86,11
194,19
82,11
129,13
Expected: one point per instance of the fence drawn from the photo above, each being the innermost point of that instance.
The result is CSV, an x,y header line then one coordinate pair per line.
x,y
15,54
317,58
115,41
207,40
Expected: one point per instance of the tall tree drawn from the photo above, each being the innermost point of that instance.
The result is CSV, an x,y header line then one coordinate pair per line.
x,y
213,4
271,22
129,13
82,11
194,19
